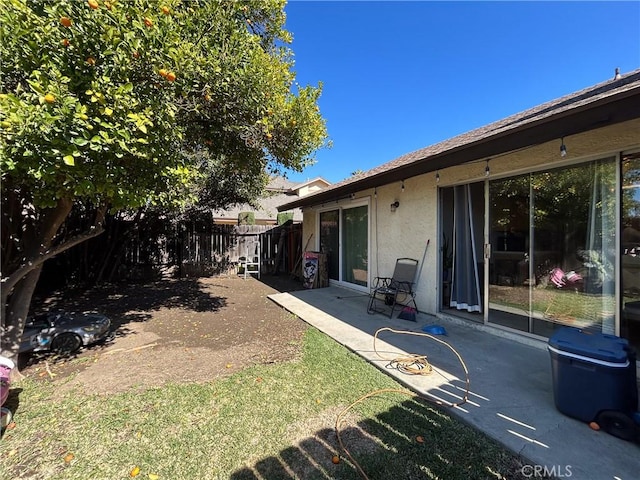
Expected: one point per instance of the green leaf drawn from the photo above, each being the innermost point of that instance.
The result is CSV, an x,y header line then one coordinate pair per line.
x,y
81,142
69,160
36,87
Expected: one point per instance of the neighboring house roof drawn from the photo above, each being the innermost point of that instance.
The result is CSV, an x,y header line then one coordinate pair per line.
x,y
604,104
277,191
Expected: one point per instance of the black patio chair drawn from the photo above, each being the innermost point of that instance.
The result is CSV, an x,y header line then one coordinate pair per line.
x,y
387,293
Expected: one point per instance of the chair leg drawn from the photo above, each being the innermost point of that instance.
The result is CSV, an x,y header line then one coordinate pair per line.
x,y
370,308
393,305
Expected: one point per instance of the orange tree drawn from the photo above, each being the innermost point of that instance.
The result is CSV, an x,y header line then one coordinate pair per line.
x,y
113,105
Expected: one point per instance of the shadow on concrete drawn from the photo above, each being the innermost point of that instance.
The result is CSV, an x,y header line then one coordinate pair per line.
x,y
511,396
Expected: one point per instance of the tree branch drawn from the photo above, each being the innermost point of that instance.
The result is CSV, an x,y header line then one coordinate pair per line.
x,y
9,282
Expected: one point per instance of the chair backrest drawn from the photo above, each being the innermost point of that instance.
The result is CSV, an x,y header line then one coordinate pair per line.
x,y
405,270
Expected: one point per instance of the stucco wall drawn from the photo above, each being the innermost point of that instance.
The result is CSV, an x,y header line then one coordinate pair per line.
x,y
311,188
405,232
309,228
582,147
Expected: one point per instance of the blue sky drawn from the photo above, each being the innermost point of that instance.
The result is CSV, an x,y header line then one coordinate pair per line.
x,y
399,76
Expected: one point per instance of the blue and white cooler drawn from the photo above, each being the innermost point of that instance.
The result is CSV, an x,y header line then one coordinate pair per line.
x,y
594,379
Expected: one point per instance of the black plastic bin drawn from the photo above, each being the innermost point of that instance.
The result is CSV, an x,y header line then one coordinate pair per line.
x,y
594,376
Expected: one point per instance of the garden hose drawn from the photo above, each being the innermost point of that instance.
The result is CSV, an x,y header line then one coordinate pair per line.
x,y
411,364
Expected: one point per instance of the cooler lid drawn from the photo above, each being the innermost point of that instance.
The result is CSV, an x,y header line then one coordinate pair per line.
x,y
600,346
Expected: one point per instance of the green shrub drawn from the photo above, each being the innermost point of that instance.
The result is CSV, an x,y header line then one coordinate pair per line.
x,y
284,217
246,218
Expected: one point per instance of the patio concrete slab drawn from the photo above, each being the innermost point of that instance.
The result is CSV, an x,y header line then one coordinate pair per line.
x,y
511,390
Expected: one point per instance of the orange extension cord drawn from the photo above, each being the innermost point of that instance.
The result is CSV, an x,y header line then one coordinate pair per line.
x,y
412,364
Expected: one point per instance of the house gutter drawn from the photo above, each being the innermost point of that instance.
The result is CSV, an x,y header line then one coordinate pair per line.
x,y
610,110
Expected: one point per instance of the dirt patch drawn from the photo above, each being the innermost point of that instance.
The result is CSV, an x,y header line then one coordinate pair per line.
x,y
171,331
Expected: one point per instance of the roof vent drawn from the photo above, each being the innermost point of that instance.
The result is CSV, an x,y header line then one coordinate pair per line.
x,y
617,75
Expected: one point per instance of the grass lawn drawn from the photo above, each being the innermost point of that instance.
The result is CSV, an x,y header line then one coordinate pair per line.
x,y
265,422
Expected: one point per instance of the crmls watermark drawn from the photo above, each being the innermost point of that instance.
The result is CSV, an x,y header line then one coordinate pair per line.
x,y
546,471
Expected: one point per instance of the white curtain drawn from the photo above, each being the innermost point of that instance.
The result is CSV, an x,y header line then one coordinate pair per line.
x,y
599,257
465,284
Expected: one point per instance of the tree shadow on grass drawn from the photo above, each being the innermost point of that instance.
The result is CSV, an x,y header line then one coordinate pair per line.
x,y
411,440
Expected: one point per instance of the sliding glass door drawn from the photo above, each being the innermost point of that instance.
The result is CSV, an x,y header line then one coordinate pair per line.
x,y
344,238
355,237
462,262
509,237
552,238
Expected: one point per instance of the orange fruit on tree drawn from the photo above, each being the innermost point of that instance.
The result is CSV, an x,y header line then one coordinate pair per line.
x,y
93,4
65,42
134,472
49,98
108,5
91,61
148,22
335,459
171,76
65,21
163,73
165,10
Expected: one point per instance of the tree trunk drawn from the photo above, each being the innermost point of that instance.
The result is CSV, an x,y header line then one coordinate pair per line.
x,y
16,316
18,287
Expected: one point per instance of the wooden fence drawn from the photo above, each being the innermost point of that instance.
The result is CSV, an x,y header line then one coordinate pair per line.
x,y
128,251
217,249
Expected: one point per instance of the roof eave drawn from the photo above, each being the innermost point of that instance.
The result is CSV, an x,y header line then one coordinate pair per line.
x,y
600,113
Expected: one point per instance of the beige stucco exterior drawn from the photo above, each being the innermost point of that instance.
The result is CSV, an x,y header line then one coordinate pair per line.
x,y
312,186
405,231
